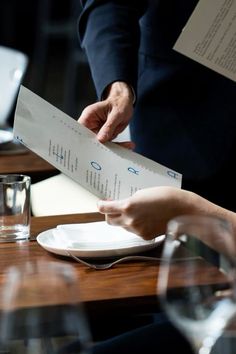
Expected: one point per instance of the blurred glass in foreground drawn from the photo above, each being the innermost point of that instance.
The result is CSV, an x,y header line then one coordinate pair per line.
x,y
41,311
198,293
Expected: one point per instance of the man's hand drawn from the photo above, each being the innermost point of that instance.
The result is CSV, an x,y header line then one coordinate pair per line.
x,y
110,117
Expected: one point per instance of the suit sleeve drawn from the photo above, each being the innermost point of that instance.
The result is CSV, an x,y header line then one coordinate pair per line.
x,y
109,33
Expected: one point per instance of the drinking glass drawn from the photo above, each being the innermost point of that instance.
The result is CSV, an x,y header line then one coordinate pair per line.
x,y
197,278
14,207
41,311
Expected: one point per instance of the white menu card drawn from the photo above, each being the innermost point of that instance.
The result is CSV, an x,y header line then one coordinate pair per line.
x,y
106,170
209,36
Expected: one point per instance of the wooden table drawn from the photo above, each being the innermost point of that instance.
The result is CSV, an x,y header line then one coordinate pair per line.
x,y
129,287
116,293
27,163
114,296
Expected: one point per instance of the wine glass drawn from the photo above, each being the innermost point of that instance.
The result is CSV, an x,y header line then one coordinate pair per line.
x,y
41,311
197,278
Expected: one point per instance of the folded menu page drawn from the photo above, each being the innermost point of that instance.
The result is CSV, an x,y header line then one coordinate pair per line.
x,y
209,36
107,170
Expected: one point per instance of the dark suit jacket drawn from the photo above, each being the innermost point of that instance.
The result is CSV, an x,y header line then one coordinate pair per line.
x,y
185,115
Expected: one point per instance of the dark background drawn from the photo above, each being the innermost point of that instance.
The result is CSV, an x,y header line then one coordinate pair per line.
x,y
46,30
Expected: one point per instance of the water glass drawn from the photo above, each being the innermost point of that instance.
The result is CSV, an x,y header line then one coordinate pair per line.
x,y
14,207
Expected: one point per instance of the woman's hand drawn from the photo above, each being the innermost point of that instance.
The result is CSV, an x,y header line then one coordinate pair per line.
x,y
147,212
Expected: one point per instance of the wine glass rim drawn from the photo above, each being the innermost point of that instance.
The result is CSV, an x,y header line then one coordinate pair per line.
x,y
13,178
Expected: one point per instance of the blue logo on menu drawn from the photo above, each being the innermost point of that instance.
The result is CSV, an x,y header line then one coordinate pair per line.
x,y
96,165
132,170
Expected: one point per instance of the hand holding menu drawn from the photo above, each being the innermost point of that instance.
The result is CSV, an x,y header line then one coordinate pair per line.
x,y
107,170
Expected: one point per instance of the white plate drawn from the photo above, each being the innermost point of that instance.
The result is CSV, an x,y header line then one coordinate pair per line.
x,y
5,136
94,240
